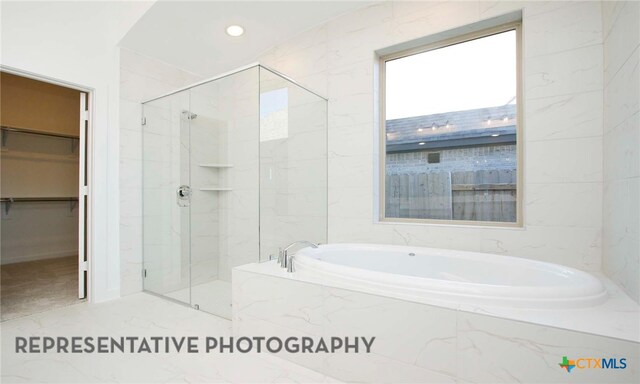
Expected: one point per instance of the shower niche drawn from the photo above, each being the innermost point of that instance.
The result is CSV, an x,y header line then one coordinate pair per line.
x,y
234,168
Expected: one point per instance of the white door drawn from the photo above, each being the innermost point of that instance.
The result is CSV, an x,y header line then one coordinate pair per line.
x,y
82,197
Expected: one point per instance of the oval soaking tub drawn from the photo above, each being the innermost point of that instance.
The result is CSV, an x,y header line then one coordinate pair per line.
x,y
450,277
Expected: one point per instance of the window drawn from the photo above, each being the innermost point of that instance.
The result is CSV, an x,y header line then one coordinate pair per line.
x,y
433,158
274,114
450,124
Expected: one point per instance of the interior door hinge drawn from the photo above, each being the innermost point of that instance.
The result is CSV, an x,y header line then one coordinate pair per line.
x,y
85,115
144,121
144,273
84,266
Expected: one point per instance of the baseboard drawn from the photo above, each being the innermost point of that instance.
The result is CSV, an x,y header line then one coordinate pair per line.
x,y
38,256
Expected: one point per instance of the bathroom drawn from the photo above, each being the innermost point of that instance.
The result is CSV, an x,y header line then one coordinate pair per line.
x,y
211,153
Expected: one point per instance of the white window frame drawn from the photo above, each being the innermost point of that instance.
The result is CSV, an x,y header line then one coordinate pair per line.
x,y
512,26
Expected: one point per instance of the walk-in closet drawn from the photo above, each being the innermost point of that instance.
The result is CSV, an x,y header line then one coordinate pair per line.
x,y
43,194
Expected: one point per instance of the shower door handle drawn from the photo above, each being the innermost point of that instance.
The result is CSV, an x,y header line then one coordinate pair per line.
x,y
183,195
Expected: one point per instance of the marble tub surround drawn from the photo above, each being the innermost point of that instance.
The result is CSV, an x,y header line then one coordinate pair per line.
x,y
494,350
419,341
616,318
268,305
138,314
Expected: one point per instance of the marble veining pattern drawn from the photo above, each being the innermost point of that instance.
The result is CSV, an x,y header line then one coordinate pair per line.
x,y
417,342
621,207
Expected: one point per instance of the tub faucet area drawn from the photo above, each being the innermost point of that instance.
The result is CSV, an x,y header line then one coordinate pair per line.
x,y
285,260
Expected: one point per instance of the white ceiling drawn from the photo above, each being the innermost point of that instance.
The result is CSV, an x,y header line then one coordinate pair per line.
x,y
191,34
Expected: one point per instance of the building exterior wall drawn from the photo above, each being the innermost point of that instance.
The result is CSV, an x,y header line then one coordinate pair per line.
x,y
456,159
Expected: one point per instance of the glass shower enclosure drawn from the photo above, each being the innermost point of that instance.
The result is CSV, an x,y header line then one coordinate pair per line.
x,y
234,168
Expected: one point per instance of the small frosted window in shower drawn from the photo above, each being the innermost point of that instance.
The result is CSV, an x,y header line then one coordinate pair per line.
x,y
274,114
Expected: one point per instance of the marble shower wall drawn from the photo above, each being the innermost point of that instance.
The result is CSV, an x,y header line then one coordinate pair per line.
x,y
293,165
621,225
232,103
206,135
141,78
563,93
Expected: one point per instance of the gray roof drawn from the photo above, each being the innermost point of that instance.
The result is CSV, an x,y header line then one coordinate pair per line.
x,y
479,122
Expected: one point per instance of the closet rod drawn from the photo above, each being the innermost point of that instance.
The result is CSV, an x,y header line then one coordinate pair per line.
x,y
37,199
73,201
36,132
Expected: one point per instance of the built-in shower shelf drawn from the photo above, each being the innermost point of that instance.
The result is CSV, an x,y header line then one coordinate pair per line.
x,y
215,189
215,165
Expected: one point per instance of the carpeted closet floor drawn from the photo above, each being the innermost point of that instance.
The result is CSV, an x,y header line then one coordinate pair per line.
x,y
37,286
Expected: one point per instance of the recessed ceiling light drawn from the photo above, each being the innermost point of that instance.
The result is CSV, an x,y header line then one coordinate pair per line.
x,y
421,143
495,135
235,30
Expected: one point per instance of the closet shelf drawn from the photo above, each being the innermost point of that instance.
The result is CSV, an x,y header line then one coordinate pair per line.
x,y
36,199
215,165
36,132
215,189
73,201
7,129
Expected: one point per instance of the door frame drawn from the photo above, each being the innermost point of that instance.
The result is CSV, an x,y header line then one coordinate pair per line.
x,y
89,156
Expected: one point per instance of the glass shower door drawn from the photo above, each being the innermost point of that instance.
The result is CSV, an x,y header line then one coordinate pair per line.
x,y
234,169
166,196
201,190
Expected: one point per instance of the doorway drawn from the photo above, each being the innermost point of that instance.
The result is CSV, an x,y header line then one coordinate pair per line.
x,y
44,195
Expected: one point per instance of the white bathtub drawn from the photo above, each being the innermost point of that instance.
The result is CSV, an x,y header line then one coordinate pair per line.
x,y
436,275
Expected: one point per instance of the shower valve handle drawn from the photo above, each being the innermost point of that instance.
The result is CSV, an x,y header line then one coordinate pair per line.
x,y
183,195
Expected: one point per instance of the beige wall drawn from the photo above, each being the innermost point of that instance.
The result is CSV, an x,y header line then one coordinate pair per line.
x,y
35,105
38,166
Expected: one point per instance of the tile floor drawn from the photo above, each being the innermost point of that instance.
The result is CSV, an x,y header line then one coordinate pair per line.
x,y
213,297
137,315
38,286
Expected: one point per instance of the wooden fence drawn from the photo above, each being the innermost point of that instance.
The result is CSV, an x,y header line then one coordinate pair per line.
x,y
482,195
